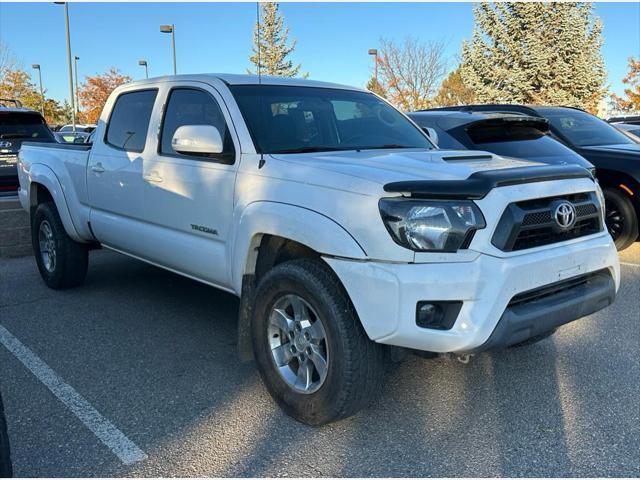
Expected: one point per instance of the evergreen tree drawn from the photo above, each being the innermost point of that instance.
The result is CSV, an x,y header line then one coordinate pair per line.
x,y
540,53
454,92
270,44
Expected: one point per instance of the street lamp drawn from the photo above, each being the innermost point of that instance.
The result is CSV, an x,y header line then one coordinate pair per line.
x,y
143,63
66,20
172,30
374,52
36,66
75,60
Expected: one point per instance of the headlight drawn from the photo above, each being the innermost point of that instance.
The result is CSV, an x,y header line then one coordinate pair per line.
x,y
431,225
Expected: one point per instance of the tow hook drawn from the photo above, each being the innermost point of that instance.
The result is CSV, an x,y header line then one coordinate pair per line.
x,y
465,358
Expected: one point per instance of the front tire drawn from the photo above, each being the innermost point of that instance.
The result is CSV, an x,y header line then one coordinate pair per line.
x,y
61,261
312,352
620,218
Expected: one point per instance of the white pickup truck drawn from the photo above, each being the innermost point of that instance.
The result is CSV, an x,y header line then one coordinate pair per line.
x,y
343,229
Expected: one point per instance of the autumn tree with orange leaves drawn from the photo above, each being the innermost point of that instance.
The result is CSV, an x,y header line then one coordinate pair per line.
x,y
632,101
94,92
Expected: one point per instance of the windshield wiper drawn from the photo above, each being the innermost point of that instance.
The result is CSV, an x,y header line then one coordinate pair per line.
x,y
309,150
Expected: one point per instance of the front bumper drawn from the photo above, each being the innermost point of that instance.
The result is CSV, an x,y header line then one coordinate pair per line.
x,y
385,295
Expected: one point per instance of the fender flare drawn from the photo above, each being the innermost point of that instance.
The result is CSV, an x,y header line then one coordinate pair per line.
x,y
302,225
45,176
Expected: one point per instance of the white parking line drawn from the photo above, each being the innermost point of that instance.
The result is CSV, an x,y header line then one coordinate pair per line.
x,y
629,264
127,451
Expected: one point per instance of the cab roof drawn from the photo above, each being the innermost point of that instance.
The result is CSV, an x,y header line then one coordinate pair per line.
x,y
237,79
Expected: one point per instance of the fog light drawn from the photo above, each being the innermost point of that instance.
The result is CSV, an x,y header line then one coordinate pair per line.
x,y
437,315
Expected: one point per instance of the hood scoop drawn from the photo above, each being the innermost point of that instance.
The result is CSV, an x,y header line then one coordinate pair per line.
x,y
464,158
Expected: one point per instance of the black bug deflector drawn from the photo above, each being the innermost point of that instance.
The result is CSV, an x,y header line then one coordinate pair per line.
x,y
479,184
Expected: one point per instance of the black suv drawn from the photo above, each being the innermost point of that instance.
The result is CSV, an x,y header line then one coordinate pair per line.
x,y
17,125
616,157
505,134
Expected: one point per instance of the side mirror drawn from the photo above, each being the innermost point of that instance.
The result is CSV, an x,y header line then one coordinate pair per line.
x,y
197,139
432,134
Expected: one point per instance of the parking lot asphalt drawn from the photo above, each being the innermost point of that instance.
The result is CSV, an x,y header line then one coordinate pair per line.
x,y
154,355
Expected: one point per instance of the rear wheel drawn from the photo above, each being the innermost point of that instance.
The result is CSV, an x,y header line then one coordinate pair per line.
x,y
620,218
61,261
312,352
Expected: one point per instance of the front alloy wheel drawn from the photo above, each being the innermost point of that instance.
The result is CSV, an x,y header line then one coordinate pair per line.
x,y
298,344
310,348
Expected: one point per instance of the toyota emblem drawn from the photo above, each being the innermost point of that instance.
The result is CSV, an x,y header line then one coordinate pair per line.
x,y
565,215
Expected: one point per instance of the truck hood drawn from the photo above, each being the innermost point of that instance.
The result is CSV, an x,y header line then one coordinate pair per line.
x,y
397,165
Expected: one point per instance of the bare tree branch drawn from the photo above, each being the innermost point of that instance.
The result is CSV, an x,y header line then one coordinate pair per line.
x,y
411,72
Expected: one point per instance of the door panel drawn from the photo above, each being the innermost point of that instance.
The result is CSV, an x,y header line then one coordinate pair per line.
x,y
114,173
189,200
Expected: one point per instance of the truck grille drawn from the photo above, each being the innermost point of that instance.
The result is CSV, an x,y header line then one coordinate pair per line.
x,y
531,223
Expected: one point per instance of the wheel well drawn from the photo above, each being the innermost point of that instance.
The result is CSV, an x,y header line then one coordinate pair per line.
x,y
622,182
39,194
274,250
266,252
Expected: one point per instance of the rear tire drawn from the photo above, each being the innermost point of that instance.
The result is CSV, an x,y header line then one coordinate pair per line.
x,y
620,218
61,261
354,365
6,470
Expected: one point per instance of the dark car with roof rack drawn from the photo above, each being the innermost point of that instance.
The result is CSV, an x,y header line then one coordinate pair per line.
x,y
17,124
615,155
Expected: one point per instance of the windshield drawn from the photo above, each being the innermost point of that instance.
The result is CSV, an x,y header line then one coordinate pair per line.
x,y
284,119
24,126
585,130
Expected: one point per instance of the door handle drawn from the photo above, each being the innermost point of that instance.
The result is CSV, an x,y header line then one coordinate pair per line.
x,y
98,168
153,177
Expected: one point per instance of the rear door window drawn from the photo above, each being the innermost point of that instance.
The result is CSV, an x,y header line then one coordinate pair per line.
x,y
129,121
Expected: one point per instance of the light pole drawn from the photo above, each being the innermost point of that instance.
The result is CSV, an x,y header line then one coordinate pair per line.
x,y
172,30
36,66
374,52
143,63
66,20
75,63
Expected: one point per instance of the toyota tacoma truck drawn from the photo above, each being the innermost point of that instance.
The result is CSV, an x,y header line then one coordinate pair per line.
x,y
347,235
